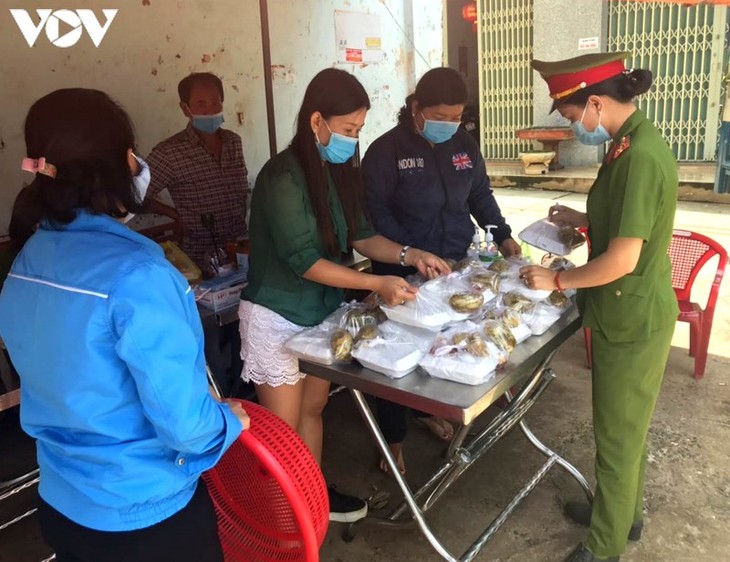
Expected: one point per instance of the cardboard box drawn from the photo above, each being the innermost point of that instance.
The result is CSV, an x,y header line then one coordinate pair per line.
x,y
220,299
220,293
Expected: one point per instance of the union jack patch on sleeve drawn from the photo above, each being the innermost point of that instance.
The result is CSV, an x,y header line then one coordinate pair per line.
x,y
461,161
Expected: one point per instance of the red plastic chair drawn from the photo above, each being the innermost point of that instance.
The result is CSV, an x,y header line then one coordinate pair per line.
x,y
269,494
689,252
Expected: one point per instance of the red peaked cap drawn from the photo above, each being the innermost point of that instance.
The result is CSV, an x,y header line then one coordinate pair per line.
x,y
566,77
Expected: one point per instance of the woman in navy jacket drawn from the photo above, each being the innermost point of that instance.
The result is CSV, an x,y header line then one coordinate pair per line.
x,y
108,343
425,180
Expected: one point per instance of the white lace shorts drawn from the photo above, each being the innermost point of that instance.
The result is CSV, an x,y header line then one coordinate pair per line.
x,y
263,333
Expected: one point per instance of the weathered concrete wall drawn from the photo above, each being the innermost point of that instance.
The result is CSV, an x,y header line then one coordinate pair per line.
x,y
152,44
303,42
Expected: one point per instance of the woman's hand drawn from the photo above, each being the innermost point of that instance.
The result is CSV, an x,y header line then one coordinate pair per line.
x,y
566,215
510,248
395,290
427,264
536,277
239,412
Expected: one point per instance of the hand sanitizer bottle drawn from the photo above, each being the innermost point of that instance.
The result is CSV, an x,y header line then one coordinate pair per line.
x,y
473,252
489,252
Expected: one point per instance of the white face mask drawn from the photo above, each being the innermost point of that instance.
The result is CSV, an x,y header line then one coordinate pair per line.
x,y
140,184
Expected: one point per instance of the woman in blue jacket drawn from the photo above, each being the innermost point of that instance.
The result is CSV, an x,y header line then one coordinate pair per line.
x,y
424,181
107,340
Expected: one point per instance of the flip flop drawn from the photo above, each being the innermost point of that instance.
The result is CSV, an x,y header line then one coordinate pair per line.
x,y
438,426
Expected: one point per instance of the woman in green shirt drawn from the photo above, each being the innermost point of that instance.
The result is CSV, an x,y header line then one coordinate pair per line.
x,y
306,213
625,289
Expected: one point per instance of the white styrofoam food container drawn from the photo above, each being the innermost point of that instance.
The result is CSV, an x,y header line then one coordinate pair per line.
x,y
393,359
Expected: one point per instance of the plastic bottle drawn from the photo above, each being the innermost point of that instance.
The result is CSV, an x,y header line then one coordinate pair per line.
x,y
473,251
489,251
525,251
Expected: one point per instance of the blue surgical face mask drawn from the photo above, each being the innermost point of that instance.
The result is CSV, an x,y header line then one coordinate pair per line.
x,y
592,138
438,131
140,184
339,149
208,123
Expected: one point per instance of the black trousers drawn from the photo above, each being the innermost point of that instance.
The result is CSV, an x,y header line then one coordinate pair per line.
x,y
392,419
191,535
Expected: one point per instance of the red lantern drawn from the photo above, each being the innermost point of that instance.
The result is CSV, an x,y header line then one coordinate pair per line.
x,y
469,12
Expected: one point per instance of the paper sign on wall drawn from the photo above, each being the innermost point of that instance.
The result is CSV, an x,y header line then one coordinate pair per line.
x,y
358,37
587,43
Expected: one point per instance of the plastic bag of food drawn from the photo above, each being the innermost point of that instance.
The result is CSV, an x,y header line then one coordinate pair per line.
x,y
517,302
466,264
511,283
322,344
353,316
541,317
509,265
501,336
439,301
463,295
511,319
559,300
395,351
462,354
313,344
552,237
483,279
556,263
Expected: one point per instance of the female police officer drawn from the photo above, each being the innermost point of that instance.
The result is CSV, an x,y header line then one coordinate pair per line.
x,y
626,298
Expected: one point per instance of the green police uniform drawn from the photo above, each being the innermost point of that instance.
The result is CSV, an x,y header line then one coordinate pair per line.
x,y
632,321
632,318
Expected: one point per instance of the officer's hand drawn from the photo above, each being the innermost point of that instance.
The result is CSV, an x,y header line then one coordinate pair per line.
x,y
536,277
566,215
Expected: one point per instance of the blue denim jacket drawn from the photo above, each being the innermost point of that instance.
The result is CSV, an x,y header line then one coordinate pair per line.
x,y
107,340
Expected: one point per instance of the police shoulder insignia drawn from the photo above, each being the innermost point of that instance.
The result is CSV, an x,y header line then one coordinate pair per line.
x,y
617,149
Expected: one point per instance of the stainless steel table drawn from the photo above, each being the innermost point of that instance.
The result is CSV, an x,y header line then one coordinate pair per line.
x,y
528,368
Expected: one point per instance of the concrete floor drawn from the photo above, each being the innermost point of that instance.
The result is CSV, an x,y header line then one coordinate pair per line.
x,y
688,480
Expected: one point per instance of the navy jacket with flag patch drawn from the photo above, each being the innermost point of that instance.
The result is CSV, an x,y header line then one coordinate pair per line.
x,y
424,196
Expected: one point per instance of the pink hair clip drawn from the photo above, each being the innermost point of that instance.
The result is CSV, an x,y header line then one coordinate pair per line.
x,y
38,166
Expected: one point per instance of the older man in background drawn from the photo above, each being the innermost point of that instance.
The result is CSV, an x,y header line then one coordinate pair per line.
x,y
204,170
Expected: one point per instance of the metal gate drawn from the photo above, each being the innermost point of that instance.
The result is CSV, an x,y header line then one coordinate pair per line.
x,y
505,77
683,46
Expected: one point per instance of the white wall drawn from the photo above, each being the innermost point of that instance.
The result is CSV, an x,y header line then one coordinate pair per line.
x,y
152,44
303,43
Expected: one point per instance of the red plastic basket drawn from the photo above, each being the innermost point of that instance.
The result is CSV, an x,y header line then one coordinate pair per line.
x,y
269,494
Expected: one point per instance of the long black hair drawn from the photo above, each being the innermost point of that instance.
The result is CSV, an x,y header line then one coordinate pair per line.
x,y
86,136
438,86
623,88
332,92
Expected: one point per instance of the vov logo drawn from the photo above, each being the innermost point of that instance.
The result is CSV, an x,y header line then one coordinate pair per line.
x,y
75,22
